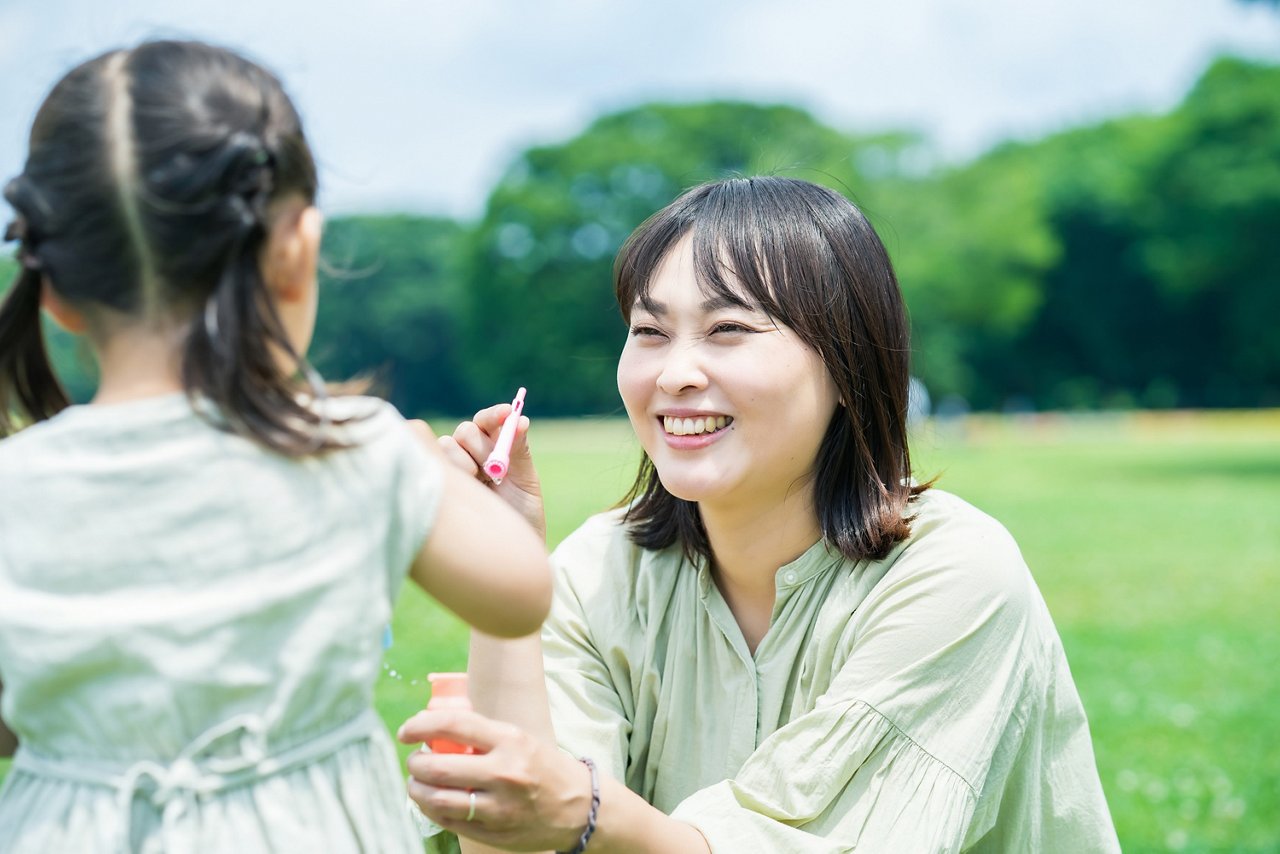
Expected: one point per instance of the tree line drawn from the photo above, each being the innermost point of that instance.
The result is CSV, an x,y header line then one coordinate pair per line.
x,y
1125,263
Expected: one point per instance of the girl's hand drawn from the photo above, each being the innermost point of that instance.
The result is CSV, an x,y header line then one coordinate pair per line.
x,y
470,445
529,796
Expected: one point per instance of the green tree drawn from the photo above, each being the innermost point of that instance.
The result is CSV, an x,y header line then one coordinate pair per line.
x,y
1164,292
390,294
971,245
1211,216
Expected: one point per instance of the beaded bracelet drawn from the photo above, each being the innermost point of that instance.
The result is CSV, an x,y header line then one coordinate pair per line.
x,y
594,812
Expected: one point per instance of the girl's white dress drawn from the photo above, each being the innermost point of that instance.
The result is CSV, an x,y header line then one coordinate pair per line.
x,y
190,631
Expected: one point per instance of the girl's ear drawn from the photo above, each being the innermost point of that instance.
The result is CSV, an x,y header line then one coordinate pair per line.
x,y
292,249
61,311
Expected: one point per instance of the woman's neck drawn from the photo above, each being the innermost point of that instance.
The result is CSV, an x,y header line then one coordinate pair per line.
x,y
749,543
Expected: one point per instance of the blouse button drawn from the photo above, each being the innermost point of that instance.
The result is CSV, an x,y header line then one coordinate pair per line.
x,y
789,577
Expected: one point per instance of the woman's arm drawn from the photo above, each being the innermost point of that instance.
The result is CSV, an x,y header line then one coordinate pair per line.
x,y
507,683
8,741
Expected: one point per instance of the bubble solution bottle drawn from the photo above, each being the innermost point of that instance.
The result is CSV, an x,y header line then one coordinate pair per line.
x,y
448,691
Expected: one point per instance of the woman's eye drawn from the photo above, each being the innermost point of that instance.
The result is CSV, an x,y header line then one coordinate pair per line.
x,y
640,330
729,327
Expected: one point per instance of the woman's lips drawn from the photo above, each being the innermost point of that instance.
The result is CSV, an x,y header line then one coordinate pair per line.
x,y
687,434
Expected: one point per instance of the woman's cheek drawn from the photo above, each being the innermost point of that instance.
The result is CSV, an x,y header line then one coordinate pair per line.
x,y
632,384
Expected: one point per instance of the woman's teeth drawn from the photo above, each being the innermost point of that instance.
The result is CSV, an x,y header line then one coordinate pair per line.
x,y
694,426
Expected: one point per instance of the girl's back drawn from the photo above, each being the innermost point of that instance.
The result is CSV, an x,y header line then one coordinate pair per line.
x,y
192,595
176,591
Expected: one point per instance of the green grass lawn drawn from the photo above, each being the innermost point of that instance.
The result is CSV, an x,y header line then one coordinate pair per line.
x,y
1156,541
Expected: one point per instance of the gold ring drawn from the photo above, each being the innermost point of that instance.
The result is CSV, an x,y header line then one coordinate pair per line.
x,y
471,813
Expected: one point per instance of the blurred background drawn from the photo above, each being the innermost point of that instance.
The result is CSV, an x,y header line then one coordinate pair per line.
x,y
1082,201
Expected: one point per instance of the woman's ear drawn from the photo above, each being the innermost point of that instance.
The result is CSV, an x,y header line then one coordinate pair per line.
x,y
291,252
61,311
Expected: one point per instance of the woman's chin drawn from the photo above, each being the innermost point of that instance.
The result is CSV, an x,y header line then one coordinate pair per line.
x,y
696,489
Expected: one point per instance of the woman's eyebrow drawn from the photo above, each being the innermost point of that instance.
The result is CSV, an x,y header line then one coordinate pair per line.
x,y
719,301
710,304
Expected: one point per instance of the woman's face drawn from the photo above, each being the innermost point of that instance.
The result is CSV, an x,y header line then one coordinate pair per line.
x,y
730,406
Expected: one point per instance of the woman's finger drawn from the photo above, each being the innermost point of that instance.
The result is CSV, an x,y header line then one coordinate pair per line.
x,y
445,804
490,419
455,725
455,770
458,456
474,441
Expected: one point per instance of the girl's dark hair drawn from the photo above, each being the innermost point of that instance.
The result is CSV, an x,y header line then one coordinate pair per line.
x,y
146,192
808,258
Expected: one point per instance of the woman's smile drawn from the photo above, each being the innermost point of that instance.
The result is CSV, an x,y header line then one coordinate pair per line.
x,y
728,404
696,425
693,431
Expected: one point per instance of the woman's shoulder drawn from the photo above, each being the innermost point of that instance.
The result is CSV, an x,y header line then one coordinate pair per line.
x,y
600,554
962,548
940,517
602,539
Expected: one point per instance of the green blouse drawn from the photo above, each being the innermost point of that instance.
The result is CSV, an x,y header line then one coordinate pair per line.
x,y
917,703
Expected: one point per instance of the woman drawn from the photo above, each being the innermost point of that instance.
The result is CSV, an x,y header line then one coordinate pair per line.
x,y
780,642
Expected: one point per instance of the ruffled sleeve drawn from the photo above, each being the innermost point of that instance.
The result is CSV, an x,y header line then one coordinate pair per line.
x,y
843,779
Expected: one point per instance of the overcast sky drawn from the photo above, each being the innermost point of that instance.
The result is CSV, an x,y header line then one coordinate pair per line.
x,y
419,105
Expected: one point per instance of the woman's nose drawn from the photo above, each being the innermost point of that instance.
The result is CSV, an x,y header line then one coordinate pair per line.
x,y
682,370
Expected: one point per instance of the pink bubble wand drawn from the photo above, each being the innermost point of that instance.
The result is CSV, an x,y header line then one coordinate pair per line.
x,y
500,459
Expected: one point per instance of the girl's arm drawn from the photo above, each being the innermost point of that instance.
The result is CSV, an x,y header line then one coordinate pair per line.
x,y
482,560
8,741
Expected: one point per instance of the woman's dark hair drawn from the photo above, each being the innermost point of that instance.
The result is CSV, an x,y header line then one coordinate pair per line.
x,y
146,192
808,258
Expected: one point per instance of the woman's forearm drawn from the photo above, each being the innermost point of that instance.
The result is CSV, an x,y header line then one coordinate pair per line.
x,y
506,683
629,823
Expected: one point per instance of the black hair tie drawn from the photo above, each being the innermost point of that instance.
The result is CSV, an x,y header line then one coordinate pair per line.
x,y
251,188
27,256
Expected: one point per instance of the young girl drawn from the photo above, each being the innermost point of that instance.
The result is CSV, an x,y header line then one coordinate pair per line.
x,y
780,642
197,566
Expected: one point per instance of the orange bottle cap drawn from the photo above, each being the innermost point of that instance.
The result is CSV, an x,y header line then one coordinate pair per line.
x,y
448,684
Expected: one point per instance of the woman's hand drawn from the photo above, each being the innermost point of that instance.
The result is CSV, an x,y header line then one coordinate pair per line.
x,y
529,796
472,442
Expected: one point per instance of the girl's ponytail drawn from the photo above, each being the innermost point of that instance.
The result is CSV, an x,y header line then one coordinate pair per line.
x,y
232,359
236,343
29,390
